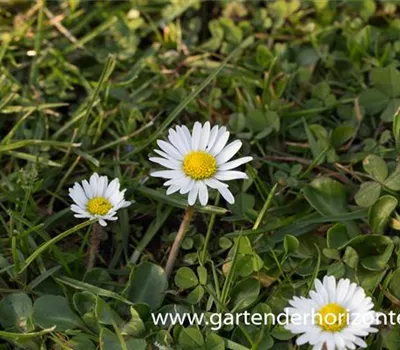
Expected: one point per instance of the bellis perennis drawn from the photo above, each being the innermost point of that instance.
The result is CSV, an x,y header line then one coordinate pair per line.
x,y
198,160
97,199
337,315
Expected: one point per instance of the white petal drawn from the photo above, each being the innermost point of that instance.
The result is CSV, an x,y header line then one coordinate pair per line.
x,y
204,137
101,185
235,163
187,135
330,285
193,194
196,134
111,218
183,139
78,195
93,181
228,152
303,339
170,164
317,298
163,154
203,193
176,141
88,190
176,181
342,289
330,345
82,216
318,346
226,194
187,185
349,295
321,290
169,149
230,175
214,183
213,136
361,343
125,204
220,142
339,340
102,222
167,174
172,189
77,209
112,188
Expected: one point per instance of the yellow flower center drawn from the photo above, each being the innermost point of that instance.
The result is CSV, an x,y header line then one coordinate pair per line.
x,y
199,165
332,318
99,206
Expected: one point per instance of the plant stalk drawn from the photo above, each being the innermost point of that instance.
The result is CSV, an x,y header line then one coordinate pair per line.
x,y
169,266
94,245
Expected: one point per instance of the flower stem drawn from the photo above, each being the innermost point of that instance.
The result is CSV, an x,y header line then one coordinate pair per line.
x,y
169,266
203,255
94,245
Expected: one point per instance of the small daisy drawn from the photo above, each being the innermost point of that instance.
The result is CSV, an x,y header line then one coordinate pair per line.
x,y
199,160
340,315
97,199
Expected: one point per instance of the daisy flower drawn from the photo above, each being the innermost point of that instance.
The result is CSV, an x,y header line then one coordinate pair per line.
x,y
97,199
339,315
199,160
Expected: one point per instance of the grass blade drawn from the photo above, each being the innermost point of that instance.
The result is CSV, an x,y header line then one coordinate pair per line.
x,y
189,98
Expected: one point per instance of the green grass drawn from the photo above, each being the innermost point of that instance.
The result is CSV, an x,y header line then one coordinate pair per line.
x,y
311,88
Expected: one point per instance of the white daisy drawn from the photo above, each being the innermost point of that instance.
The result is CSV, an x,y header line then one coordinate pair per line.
x,y
97,199
340,315
199,160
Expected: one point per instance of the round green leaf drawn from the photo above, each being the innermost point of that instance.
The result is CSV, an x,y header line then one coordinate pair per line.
x,y
214,342
147,284
373,100
54,310
341,135
390,110
170,311
368,194
202,273
81,342
394,284
374,251
393,181
191,339
376,167
290,244
379,213
109,340
279,332
326,196
387,80
185,278
15,311
195,296
245,293
390,337
338,236
331,253
135,327
350,257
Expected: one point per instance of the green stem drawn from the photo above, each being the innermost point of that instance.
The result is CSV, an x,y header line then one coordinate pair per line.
x,y
203,256
94,245
52,242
